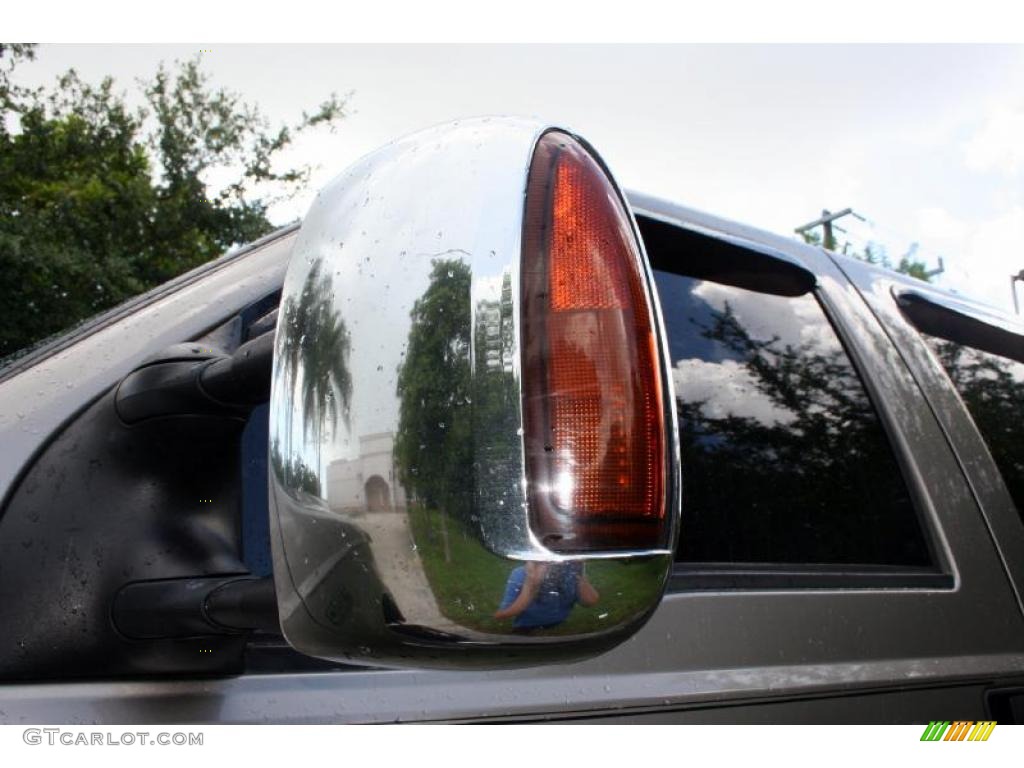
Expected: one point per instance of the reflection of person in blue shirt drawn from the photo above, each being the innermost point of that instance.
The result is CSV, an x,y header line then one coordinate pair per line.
x,y
541,595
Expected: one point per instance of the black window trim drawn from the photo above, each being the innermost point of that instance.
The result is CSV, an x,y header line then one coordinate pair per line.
x,y
961,321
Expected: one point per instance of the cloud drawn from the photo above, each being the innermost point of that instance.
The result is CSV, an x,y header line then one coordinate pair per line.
x,y
982,254
795,321
939,227
999,144
996,250
727,389
726,386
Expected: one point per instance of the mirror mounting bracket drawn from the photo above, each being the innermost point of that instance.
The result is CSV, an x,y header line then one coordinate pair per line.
x,y
191,379
216,605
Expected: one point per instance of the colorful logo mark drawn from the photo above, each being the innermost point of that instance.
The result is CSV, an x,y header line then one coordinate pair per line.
x,y
959,730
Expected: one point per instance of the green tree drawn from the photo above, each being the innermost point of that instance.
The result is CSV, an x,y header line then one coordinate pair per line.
x,y
100,201
876,254
433,443
293,473
12,54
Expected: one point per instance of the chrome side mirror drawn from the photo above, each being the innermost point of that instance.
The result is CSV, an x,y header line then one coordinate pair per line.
x,y
472,433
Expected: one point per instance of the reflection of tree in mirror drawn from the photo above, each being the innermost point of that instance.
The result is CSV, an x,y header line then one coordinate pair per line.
x,y
817,483
292,473
314,349
433,441
993,389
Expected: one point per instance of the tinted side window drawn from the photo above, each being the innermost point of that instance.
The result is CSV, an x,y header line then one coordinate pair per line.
x,y
993,389
784,459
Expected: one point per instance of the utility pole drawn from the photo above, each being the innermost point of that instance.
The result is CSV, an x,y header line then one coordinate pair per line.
x,y
825,222
1013,289
935,272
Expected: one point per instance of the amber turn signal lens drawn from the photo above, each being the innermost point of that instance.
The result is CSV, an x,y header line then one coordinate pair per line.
x,y
593,405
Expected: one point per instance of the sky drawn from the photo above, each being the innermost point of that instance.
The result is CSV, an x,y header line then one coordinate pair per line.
x,y
926,142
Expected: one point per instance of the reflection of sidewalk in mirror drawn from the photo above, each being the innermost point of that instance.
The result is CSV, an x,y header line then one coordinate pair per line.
x,y
401,570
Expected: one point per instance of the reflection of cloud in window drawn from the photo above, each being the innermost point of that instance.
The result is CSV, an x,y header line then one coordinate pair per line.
x,y
727,389
796,321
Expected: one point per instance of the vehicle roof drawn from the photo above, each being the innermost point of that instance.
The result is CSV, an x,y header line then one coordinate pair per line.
x,y
650,204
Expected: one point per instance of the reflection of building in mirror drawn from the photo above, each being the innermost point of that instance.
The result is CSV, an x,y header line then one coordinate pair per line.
x,y
495,329
367,483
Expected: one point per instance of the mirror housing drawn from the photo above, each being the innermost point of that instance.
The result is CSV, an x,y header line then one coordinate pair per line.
x,y
400,486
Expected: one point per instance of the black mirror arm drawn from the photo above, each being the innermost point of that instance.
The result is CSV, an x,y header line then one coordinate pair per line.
x,y
231,384
202,606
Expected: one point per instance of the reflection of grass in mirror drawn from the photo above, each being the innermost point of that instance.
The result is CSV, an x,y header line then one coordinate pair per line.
x,y
470,587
